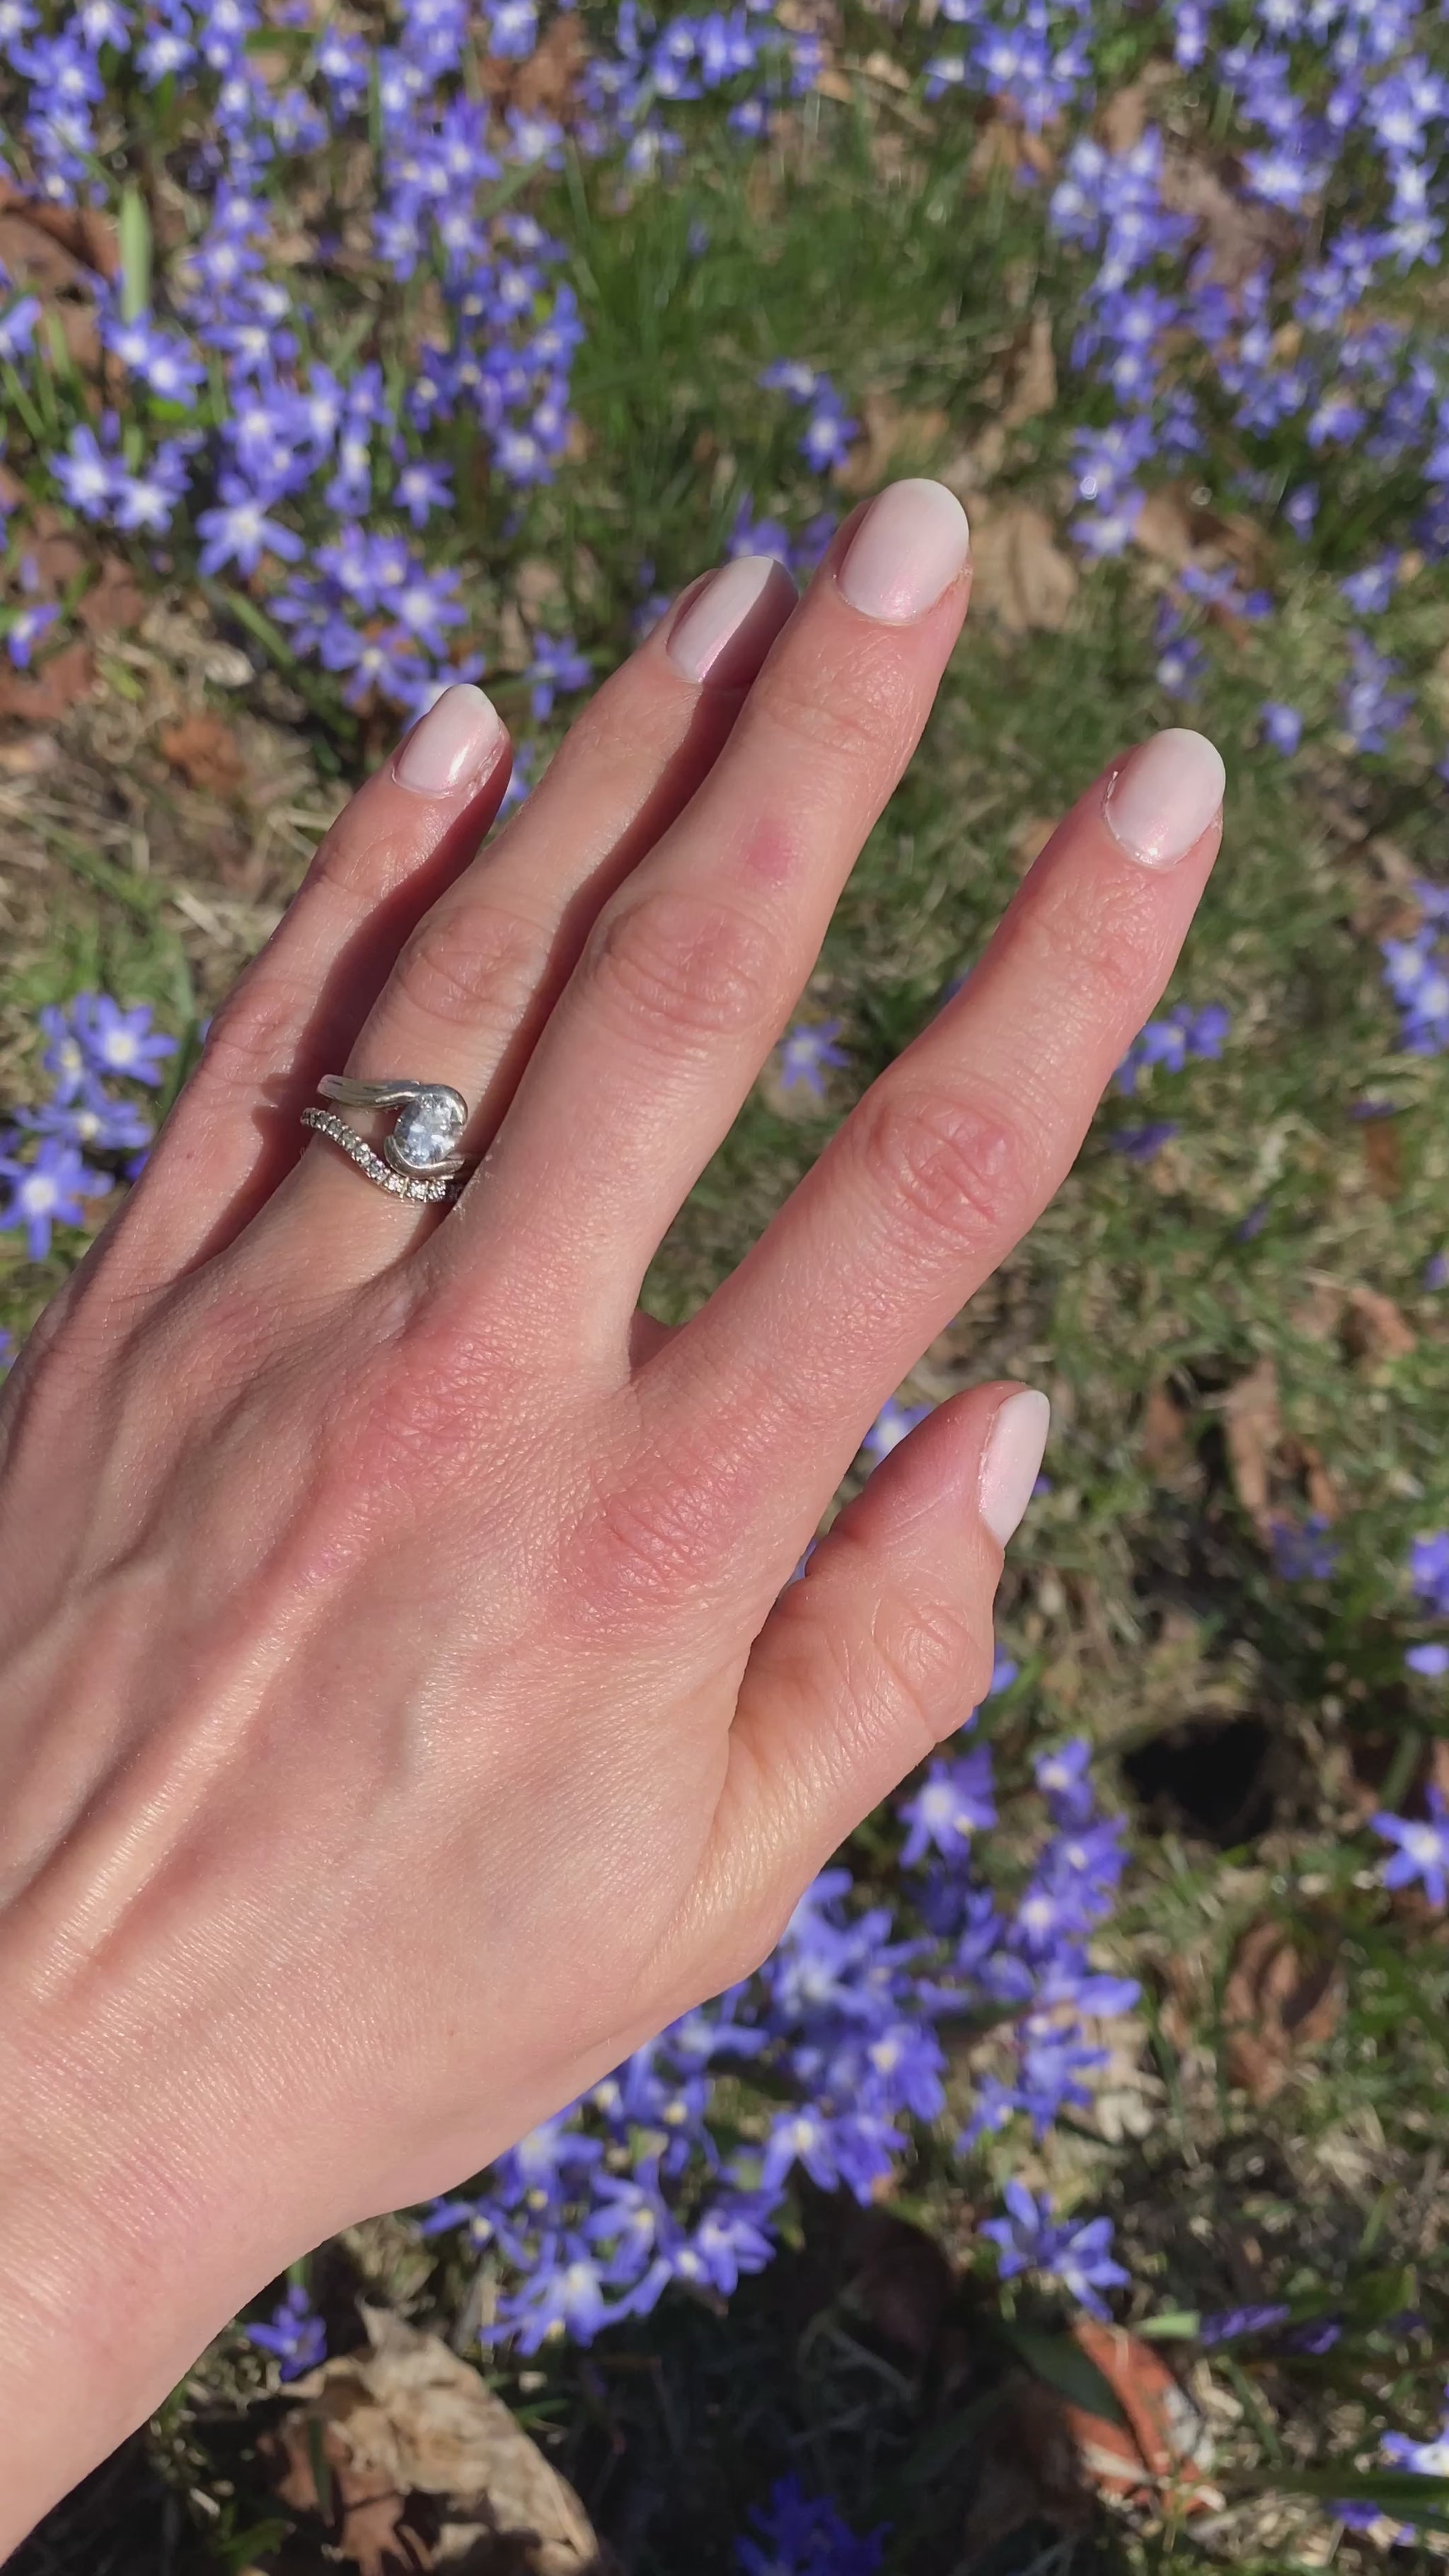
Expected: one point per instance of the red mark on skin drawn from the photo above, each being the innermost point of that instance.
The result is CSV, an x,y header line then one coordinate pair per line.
x,y
770,853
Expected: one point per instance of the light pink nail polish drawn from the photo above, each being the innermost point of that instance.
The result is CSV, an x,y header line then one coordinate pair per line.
x,y
451,744
699,643
911,545
1164,796
1012,1461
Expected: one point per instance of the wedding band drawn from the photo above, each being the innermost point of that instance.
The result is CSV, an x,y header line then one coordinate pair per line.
x,y
417,1159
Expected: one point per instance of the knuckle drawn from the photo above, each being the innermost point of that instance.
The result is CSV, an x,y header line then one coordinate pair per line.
x,y
362,865
471,966
1089,955
253,1035
931,1660
855,718
689,969
650,1535
950,1172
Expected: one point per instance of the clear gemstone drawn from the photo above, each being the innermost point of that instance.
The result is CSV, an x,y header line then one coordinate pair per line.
x,y
427,1130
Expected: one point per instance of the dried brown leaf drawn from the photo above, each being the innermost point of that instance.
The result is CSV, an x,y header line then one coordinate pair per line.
x,y
1164,528
42,695
902,2281
1375,1328
1278,2006
1383,1158
207,753
1238,232
546,81
409,2420
1020,575
1164,1430
1034,383
29,756
113,602
895,442
1123,119
1254,1428
1160,2451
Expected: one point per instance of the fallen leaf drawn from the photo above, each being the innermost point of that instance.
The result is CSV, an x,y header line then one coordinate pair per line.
x,y
537,584
29,756
894,442
901,2281
83,231
426,2460
1375,1329
1164,528
1005,146
113,602
548,77
40,696
205,750
1123,119
1020,574
1034,384
1164,1430
1159,2452
1277,2008
1383,1162
1239,233
1254,1427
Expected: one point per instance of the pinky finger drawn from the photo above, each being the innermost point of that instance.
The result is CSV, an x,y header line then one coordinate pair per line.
x,y
882,1648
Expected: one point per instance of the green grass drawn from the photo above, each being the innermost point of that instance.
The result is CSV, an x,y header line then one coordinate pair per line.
x,y
1140,1595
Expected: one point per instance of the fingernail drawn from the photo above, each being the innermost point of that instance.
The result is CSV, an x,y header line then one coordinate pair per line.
x,y
1012,1462
450,744
716,637
1162,799
909,548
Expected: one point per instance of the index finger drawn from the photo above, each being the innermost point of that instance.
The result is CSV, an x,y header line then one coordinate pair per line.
x,y
952,1155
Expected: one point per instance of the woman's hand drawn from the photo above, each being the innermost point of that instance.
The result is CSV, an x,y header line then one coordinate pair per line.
x,y
406,1706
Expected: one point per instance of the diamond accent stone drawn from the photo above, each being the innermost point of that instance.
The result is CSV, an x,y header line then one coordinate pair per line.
x,y
428,1129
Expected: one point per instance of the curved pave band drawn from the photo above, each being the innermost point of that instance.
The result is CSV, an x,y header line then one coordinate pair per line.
x,y
417,1159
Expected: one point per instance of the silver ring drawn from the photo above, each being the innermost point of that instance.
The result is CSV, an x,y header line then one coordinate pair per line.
x,y
417,1159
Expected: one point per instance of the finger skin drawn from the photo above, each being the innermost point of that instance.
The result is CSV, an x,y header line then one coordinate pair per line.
x,y
693,967
878,1652
474,981
945,1164
293,1016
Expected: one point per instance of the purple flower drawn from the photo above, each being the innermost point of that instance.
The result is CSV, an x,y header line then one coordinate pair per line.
x,y
800,2535
892,1425
1432,1661
1282,726
1429,1571
241,532
295,2334
954,1801
117,1041
1079,2257
1231,2325
805,1053
557,665
1302,1551
1422,1848
48,1191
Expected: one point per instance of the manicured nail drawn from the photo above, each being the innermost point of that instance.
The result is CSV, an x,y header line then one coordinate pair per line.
x,y
1162,799
450,744
909,548
1012,1461
717,636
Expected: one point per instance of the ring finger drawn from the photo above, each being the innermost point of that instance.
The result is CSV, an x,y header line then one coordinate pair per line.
x,y
477,976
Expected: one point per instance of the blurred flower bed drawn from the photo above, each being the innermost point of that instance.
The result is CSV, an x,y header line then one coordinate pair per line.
x,y
315,321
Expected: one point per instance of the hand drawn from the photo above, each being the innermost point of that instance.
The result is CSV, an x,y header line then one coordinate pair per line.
x,y
407,1707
